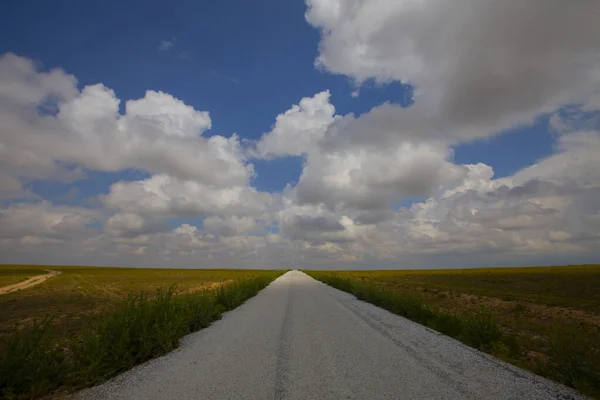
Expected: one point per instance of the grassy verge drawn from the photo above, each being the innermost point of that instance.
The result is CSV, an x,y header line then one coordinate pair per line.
x,y
567,354
34,361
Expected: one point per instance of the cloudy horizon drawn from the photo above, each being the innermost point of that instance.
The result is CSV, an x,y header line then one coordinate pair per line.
x,y
378,134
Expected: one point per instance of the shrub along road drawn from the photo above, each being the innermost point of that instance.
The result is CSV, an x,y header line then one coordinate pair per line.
x,y
300,339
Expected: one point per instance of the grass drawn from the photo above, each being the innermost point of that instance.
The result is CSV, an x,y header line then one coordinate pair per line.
x,y
12,276
43,356
545,319
79,294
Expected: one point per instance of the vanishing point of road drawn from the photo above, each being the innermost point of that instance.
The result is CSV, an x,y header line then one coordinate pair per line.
x,y
301,339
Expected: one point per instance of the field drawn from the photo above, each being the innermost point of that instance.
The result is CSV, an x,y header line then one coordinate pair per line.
x,y
87,324
80,293
10,276
546,319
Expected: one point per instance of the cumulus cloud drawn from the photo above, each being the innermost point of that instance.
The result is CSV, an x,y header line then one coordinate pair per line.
x,y
299,129
314,224
166,196
39,222
373,179
540,209
476,65
22,84
166,114
50,130
12,188
575,162
549,208
231,226
358,167
131,225
478,68
337,172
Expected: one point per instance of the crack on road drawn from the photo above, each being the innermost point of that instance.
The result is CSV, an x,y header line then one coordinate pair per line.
x,y
375,325
282,364
448,378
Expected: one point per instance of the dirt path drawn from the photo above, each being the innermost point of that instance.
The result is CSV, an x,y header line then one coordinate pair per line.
x,y
35,280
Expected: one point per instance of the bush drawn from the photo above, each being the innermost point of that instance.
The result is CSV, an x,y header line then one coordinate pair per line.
x,y
30,360
139,330
448,324
572,360
480,330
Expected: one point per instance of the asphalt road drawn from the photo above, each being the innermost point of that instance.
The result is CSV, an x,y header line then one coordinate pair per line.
x,y
300,339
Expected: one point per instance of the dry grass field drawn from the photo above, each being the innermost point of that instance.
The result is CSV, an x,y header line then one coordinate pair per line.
x,y
80,293
83,325
10,276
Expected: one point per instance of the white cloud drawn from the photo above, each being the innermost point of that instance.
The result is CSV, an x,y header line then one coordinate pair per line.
x,y
576,162
546,210
314,224
300,128
22,84
166,114
338,172
473,78
26,223
375,178
158,133
11,188
165,45
231,226
188,237
131,225
470,71
166,196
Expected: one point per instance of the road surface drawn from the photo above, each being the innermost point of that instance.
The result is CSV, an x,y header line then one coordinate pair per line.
x,y
300,339
35,280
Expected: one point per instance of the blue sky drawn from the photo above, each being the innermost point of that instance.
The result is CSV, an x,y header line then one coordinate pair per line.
x,y
247,63
242,62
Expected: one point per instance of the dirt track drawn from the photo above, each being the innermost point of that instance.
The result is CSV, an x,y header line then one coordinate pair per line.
x,y
35,280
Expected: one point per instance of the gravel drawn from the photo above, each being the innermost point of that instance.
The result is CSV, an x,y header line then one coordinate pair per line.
x,y
301,339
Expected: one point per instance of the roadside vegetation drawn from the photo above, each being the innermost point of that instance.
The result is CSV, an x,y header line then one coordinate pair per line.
x,y
42,356
545,319
80,294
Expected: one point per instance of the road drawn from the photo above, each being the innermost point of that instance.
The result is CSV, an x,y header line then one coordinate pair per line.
x,y
35,280
300,339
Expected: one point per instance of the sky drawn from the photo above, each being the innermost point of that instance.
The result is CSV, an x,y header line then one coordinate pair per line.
x,y
329,134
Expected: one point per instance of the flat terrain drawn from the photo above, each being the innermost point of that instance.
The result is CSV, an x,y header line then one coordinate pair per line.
x,y
80,293
27,283
523,299
552,312
300,339
11,276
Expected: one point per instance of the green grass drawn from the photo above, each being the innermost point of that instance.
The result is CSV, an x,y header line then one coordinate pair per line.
x,y
79,294
35,361
542,319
